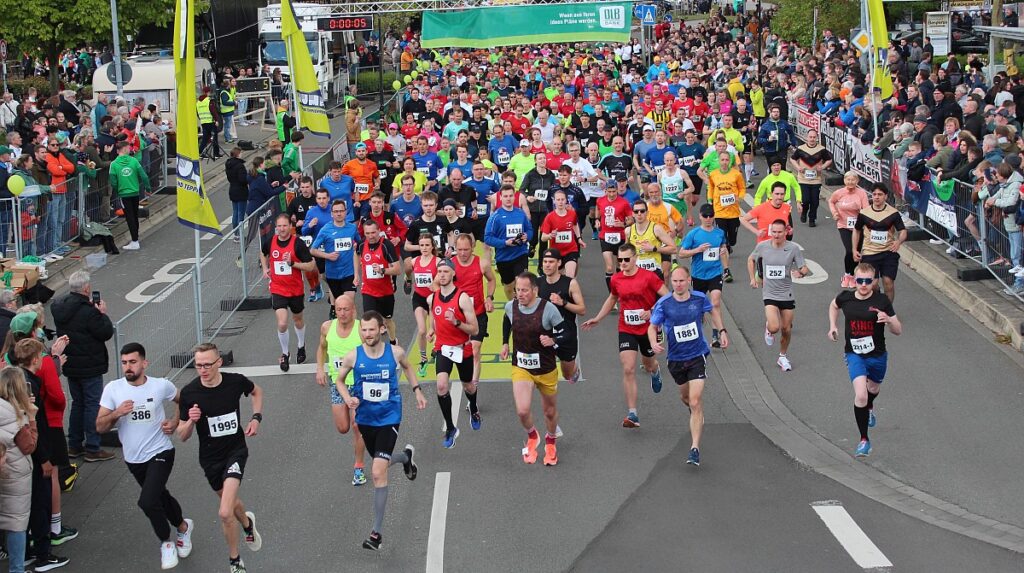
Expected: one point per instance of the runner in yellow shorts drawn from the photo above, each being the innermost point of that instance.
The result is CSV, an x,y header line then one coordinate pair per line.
x,y
535,327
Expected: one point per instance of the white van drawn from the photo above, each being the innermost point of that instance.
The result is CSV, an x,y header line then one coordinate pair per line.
x,y
152,77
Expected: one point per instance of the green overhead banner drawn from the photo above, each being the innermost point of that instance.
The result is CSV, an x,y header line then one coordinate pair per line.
x,y
528,24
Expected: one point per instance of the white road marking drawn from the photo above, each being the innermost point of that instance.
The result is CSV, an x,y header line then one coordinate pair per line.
x,y
225,224
438,523
853,539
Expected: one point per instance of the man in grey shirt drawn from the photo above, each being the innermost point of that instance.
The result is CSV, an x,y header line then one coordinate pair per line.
x,y
776,260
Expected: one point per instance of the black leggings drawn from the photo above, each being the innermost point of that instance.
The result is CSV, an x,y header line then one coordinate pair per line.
x,y
536,219
846,236
155,501
131,215
811,197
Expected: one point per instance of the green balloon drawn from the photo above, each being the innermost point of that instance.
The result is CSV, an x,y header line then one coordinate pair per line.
x,y
407,78
415,74
397,85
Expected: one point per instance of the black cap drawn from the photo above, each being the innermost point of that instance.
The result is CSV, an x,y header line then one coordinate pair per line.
x,y
551,254
707,210
474,128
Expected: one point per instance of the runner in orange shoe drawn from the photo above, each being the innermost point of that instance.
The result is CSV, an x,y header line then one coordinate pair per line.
x,y
532,323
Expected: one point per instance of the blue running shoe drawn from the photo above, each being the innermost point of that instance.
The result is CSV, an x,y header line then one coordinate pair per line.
x,y
449,438
358,477
474,421
694,458
594,236
631,421
871,418
319,294
863,449
656,381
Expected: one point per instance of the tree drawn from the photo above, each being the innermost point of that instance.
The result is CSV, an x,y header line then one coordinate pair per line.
x,y
793,20
45,28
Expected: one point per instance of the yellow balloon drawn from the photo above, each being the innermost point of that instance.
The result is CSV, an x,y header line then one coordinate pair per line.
x,y
16,184
415,74
397,85
407,78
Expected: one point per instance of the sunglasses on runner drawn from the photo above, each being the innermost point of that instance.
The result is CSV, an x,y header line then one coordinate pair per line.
x,y
864,280
639,210
625,260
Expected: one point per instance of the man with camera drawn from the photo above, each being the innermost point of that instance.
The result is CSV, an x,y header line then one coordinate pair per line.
x,y
509,231
82,316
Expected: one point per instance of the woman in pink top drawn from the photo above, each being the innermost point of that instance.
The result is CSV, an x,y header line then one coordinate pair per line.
x,y
846,204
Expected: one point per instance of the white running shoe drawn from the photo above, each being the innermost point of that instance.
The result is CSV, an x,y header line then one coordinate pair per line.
x,y
935,241
769,338
184,543
783,363
168,555
1016,269
132,246
254,542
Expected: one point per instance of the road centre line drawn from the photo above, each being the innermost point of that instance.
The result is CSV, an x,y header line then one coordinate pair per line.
x,y
864,552
438,523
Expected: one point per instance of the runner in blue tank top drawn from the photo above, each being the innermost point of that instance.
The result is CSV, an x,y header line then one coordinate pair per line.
x,y
680,315
377,403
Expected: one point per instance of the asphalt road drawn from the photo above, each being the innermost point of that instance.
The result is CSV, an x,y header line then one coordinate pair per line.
x,y
618,498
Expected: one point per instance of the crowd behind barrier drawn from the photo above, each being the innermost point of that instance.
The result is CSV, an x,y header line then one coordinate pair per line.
x,y
950,211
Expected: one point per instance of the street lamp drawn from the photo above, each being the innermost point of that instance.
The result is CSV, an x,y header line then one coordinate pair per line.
x,y
117,49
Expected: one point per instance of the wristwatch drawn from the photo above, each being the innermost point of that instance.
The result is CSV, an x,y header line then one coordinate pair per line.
x,y
258,417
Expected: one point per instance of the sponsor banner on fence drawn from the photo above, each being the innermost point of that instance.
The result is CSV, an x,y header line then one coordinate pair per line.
x,y
806,121
942,213
834,139
863,160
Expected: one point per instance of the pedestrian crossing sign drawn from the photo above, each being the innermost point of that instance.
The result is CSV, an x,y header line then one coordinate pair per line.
x,y
646,13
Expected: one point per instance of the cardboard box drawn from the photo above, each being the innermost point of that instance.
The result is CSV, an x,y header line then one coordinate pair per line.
x,y
6,263
25,276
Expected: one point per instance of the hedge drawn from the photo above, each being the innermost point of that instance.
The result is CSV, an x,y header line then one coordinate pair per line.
x,y
368,82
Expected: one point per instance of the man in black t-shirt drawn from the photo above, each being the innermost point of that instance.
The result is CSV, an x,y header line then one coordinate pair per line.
x,y
866,312
209,405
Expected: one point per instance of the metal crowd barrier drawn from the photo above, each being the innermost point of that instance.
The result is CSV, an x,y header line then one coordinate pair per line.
x,y
199,304
102,204
966,228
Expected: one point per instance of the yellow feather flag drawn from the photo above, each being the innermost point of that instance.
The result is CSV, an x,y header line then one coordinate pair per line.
x,y
194,207
312,114
880,44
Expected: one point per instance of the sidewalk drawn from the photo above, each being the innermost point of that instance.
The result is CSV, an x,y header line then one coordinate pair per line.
x,y
163,206
982,299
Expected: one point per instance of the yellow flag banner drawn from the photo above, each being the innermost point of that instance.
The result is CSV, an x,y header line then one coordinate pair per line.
x,y
312,114
879,47
194,207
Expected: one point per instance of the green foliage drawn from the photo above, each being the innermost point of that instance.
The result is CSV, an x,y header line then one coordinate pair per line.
x,y
368,82
47,27
20,87
894,12
793,21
